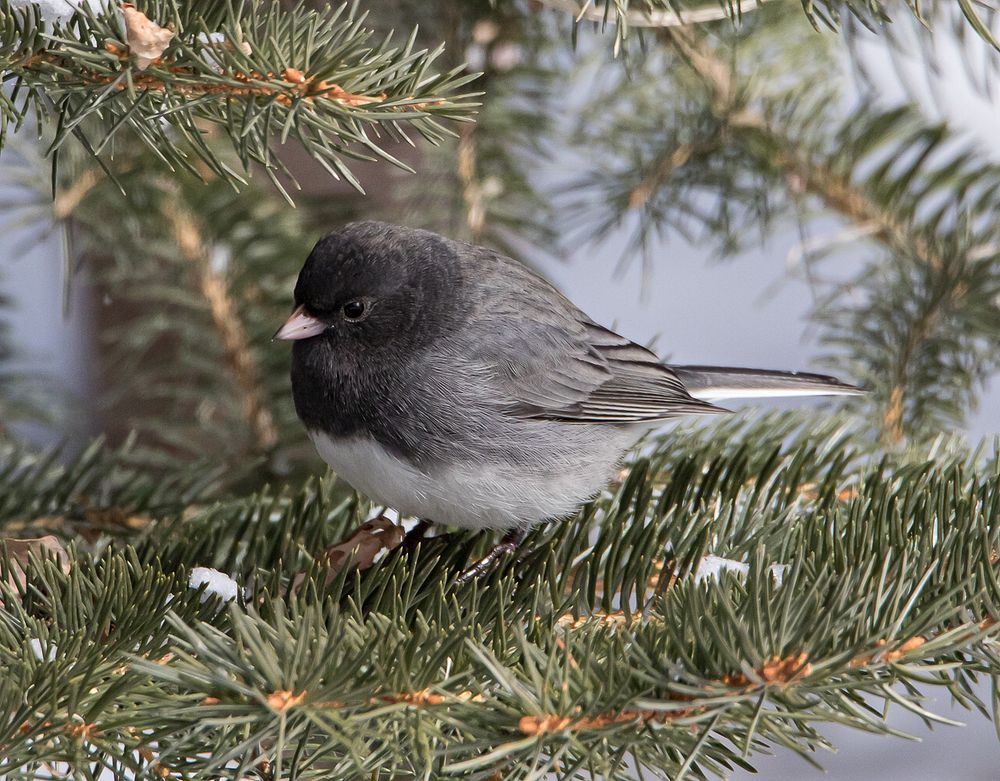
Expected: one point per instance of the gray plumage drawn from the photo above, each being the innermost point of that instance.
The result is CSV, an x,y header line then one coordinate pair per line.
x,y
467,390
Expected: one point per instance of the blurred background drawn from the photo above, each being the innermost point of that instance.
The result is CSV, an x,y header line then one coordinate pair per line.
x,y
763,194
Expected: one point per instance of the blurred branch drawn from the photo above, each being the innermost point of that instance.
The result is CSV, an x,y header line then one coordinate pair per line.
x,y
472,192
803,173
67,199
226,319
649,16
978,17
671,162
841,195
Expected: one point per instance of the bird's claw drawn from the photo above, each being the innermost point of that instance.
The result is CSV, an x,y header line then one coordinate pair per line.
x,y
508,545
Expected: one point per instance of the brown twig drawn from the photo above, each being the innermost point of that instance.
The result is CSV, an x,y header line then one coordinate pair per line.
x,y
282,700
776,671
69,198
551,723
294,85
225,317
884,654
642,192
472,191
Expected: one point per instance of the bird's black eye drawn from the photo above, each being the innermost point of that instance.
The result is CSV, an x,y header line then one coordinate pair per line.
x,y
355,310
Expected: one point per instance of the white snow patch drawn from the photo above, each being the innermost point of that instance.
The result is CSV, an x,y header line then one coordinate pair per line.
x,y
215,582
713,566
42,653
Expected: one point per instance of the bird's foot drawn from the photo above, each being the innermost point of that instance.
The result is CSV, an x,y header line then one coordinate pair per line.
x,y
508,545
359,549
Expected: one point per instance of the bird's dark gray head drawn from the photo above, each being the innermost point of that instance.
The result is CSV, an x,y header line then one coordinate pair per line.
x,y
369,299
371,286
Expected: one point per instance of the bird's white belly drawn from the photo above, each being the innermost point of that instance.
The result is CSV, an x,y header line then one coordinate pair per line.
x,y
476,496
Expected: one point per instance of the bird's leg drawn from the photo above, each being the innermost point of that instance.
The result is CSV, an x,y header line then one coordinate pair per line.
x,y
511,540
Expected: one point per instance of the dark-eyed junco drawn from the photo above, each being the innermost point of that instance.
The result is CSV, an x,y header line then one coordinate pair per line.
x,y
452,383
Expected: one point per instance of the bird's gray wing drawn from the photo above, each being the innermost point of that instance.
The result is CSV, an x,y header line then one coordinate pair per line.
x,y
603,378
547,360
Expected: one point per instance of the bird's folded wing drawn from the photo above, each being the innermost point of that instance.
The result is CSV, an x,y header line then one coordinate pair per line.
x,y
577,371
547,360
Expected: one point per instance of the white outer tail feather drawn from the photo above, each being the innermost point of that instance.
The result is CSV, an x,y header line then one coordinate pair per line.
x,y
714,383
721,393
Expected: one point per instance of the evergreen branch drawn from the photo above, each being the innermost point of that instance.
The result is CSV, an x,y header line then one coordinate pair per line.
x,y
93,493
568,661
641,193
311,75
847,199
841,195
801,169
69,198
167,273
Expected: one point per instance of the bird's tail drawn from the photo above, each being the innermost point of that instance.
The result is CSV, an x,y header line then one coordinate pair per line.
x,y
711,383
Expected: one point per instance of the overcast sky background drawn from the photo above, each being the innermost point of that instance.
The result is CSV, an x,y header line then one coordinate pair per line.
x,y
703,312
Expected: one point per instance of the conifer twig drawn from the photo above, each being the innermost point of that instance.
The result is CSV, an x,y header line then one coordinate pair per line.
x,y
259,72
651,17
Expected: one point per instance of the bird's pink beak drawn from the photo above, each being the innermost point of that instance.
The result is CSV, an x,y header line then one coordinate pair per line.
x,y
300,325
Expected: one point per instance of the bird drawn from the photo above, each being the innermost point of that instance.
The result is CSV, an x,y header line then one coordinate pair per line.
x,y
456,385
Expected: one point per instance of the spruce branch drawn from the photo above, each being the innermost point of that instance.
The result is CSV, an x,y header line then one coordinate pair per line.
x,y
843,196
579,659
93,493
875,16
69,198
258,73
